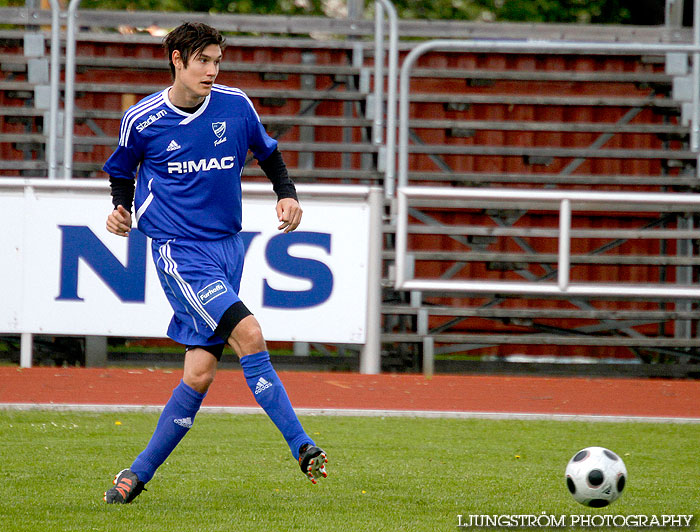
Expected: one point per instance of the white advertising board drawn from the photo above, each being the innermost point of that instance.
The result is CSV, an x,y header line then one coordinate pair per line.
x,y
11,272
62,273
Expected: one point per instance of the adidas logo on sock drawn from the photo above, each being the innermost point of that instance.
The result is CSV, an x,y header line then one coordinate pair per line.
x,y
262,385
173,146
184,422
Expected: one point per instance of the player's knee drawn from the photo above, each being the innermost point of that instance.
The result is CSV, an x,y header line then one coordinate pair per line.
x,y
199,380
200,366
247,337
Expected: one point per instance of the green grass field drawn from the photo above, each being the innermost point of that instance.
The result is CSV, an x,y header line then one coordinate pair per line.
x,y
234,473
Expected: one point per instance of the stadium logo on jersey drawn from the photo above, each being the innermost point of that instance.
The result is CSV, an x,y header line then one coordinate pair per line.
x,y
203,165
143,125
211,291
219,129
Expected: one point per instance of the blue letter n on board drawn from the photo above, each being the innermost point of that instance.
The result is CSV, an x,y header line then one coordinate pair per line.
x,y
127,282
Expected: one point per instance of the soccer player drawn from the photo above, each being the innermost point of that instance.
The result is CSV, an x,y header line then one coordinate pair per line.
x,y
188,144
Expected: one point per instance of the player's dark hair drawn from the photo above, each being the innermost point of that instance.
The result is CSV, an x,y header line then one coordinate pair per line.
x,y
190,39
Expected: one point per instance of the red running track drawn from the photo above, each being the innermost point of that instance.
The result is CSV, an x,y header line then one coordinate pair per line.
x,y
487,394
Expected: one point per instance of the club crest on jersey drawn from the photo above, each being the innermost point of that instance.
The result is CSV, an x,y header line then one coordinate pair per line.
x,y
219,129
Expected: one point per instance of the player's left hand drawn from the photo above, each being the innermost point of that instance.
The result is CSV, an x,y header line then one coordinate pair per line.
x,y
289,213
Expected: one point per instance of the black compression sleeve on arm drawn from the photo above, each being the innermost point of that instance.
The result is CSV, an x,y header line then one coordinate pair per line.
x,y
276,172
122,192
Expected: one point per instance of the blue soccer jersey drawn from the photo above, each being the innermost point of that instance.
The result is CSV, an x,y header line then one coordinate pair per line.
x,y
189,165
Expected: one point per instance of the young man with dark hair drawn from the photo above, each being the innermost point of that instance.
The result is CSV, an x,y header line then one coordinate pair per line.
x,y
188,144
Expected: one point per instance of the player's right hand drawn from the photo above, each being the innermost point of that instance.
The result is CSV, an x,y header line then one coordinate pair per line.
x,y
119,221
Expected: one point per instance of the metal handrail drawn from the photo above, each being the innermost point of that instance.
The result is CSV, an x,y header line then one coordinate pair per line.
x,y
249,189
565,201
421,28
532,46
390,147
69,118
695,126
54,88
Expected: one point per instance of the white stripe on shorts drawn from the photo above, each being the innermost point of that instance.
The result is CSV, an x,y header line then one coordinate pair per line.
x,y
185,288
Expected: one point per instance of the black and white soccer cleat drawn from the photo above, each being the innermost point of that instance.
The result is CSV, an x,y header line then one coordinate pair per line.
x,y
312,461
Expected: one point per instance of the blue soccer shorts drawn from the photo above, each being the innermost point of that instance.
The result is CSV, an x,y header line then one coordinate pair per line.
x,y
201,279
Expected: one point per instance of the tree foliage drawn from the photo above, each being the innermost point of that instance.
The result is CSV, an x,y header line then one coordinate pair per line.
x,y
563,11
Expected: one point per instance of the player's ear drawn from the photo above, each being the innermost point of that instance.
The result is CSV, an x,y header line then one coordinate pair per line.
x,y
177,59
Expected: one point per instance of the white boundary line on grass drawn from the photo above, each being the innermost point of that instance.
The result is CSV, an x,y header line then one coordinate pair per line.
x,y
356,412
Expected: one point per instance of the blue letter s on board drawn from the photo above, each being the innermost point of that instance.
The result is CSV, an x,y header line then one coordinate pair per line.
x,y
320,275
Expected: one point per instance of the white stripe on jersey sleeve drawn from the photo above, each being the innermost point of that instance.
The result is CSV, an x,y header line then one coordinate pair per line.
x,y
143,103
135,109
123,139
135,113
236,92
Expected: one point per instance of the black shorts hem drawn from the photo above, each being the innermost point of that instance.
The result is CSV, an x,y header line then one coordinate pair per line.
x,y
232,317
216,350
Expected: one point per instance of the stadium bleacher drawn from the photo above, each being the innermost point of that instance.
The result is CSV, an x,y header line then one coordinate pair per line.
x,y
582,121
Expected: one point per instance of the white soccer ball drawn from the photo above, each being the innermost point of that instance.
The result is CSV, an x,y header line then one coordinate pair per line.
x,y
596,476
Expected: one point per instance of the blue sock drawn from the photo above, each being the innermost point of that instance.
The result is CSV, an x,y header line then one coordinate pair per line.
x,y
272,397
175,420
